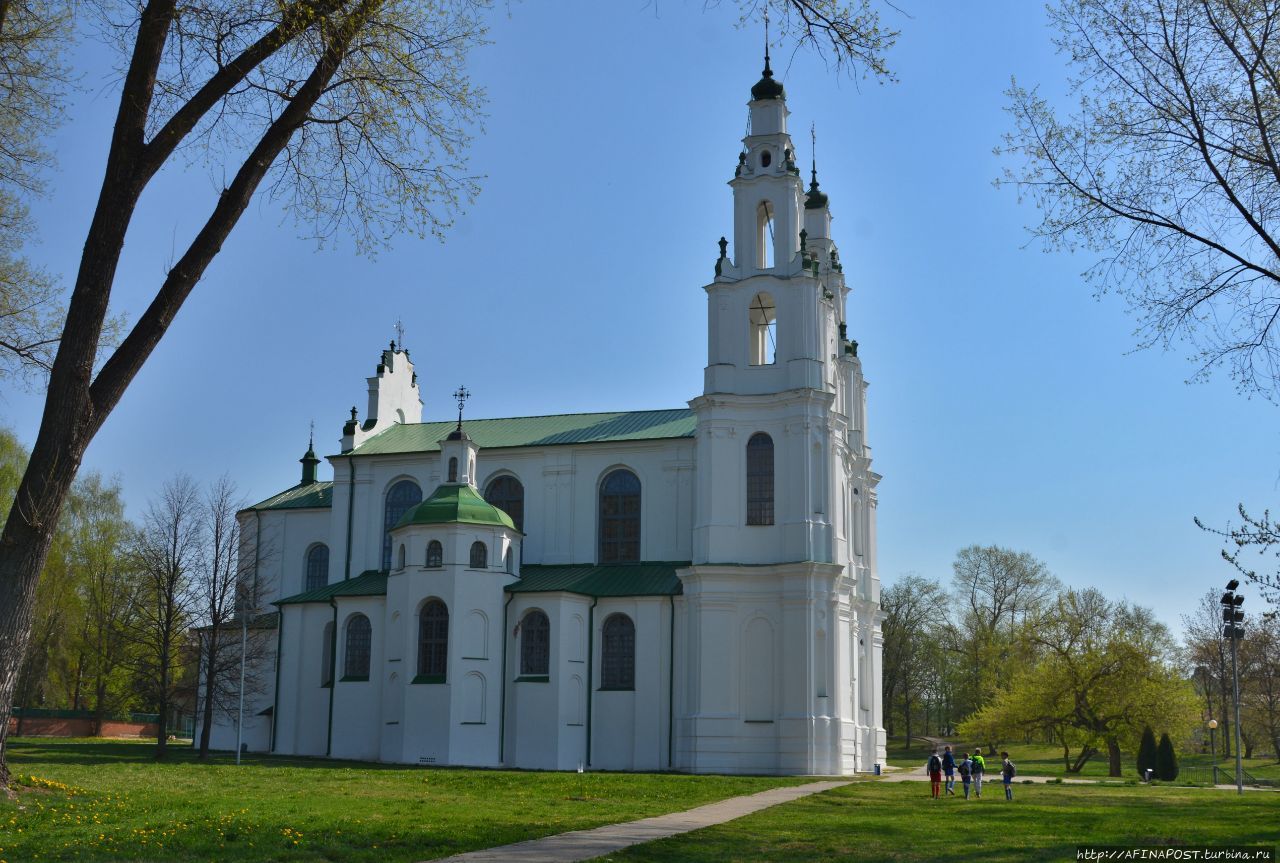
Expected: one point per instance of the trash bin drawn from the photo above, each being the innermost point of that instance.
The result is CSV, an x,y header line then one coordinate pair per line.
x,y
877,770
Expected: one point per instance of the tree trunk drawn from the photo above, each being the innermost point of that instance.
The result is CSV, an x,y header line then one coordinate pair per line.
x,y
162,723
209,682
906,710
1113,757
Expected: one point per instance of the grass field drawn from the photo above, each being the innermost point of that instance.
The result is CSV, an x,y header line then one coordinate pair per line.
x,y
108,801
1041,760
898,821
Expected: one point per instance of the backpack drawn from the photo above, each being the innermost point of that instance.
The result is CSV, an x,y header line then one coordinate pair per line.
x,y
1011,770
935,764
964,769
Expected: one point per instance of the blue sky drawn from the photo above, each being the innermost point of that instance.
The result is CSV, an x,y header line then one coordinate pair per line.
x,y
1006,403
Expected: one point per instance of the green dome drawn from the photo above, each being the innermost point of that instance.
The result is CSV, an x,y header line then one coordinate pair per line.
x,y
455,503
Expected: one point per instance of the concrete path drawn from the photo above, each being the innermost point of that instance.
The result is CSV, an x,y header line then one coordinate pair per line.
x,y
586,844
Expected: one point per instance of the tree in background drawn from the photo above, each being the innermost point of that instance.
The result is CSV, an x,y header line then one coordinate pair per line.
x,y
995,590
1206,650
1166,765
356,114
1104,670
166,550
1146,753
222,595
1169,169
915,615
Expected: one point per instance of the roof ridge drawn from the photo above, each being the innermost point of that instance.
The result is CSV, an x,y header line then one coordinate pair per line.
x,y
549,416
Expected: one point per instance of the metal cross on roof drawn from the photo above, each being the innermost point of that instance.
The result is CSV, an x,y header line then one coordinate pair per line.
x,y
400,332
461,394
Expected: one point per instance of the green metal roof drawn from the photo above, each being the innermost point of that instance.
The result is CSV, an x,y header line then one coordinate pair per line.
x,y
656,578
552,430
456,503
371,582
310,496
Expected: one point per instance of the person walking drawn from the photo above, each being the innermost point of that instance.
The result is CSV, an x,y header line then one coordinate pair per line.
x,y
934,766
979,768
966,773
949,770
1007,772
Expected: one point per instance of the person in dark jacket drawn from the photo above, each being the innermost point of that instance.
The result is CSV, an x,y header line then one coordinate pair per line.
x,y
949,770
1007,772
966,773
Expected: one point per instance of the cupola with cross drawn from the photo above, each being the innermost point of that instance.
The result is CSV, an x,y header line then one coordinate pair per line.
x,y
458,450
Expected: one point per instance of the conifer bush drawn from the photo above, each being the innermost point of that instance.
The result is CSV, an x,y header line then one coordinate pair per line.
x,y
1146,752
1166,760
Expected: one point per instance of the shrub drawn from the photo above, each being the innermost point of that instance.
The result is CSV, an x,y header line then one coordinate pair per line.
x,y
1166,760
1147,753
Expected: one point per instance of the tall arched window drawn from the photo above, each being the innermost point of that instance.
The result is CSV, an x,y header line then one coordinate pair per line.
x,y
317,566
435,553
453,469
535,644
479,555
400,557
762,317
507,494
401,497
508,563
433,642
760,479
620,518
355,664
618,653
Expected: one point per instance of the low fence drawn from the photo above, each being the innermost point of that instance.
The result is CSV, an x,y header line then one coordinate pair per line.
x,y
38,722
1224,774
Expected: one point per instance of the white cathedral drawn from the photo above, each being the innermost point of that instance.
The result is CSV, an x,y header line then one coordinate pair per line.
x,y
691,589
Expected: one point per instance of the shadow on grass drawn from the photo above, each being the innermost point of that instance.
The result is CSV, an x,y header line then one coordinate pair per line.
x,y
83,752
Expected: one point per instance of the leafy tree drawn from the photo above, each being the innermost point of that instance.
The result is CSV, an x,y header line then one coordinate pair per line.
x,y
1166,765
1105,669
995,590
354,113
1209,659
915,618
1169,168
1146,752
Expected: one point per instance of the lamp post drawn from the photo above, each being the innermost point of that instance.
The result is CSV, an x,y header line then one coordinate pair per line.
x,y
1213,752
1232,630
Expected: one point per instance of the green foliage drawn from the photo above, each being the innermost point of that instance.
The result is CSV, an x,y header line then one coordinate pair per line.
x,y
129,807
1166,765
1104,670
1147,753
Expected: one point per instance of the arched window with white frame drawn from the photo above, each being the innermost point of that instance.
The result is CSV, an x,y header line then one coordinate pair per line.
x,y
355,663
619,514
618,653
433,642
762,319
317,566
760,479
401,497
535,644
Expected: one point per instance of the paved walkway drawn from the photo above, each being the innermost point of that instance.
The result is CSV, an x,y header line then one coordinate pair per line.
x,y
586,844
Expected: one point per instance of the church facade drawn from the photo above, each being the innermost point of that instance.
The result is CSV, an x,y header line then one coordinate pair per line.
x,y
691,589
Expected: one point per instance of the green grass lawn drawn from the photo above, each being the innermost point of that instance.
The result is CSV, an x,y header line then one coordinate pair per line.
x,y
1042,760
109,801
898,821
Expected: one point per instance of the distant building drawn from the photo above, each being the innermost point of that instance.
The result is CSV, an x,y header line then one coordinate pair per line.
x,y
691,589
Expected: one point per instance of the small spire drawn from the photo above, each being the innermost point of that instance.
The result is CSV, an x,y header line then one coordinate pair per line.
x,y
768,73
813,150
309,460
461,394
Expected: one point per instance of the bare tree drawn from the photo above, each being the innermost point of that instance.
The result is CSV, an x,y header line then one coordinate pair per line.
x,y
167,548
222,596
915,610
1205,649
1168,168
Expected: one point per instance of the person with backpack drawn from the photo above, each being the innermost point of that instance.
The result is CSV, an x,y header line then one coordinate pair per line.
x,y
966,773
949,770
979,768
934,767
1007,771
